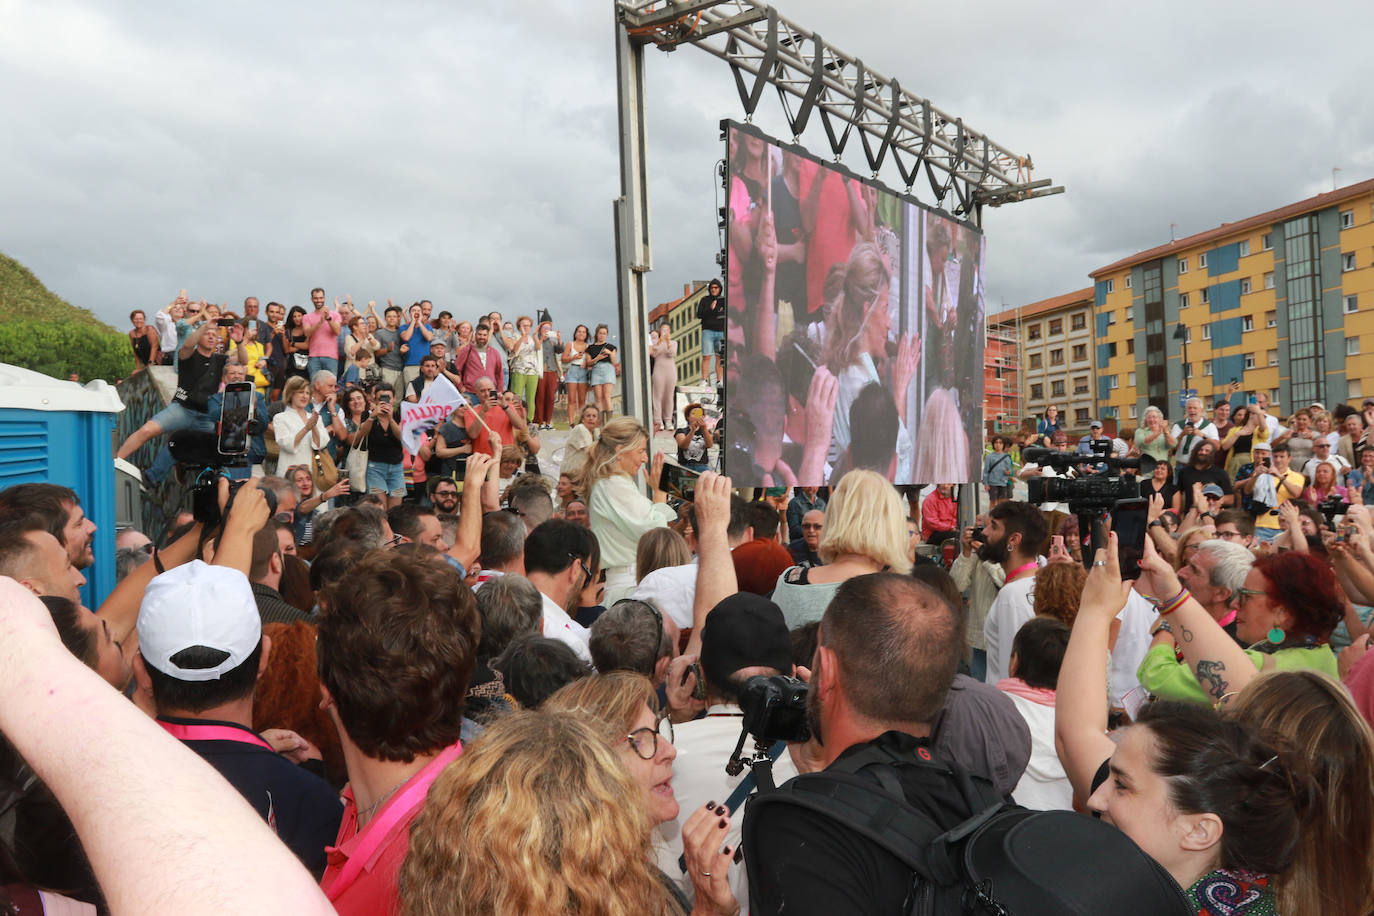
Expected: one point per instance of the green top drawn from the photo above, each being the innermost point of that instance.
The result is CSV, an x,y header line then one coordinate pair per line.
x,y
1169,679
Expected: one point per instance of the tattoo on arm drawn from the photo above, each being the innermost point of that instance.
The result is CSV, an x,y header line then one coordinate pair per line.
x,y
1209,675
1185,634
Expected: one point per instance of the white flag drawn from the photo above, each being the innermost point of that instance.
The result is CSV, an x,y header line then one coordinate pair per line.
x,y
439,401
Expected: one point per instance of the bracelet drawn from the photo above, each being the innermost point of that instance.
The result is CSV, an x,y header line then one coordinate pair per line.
x,y
1162,625
1174,603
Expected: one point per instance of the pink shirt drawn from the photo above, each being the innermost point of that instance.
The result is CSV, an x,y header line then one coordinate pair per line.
x,y
325,342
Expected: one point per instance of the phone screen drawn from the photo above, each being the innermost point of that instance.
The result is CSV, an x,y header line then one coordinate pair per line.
x,y
1130,520
235,413
678,481
801,381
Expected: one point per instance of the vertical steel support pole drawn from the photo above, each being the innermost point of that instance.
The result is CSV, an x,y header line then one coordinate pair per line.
x,y
633,241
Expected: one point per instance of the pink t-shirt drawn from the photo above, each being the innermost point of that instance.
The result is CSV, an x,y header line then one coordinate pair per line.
x,y
325,342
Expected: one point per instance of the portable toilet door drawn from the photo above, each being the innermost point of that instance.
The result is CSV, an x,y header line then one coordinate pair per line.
x,y
54,431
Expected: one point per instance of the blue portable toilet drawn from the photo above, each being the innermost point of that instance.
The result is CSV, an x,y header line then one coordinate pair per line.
x,y
54,431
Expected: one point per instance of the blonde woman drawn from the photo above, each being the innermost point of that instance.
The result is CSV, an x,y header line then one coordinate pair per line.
x,y
583,840
620,512
865,532
298,431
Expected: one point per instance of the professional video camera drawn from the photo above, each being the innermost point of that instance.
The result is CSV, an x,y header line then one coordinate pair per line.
x,y
203,457
774,708
1091,498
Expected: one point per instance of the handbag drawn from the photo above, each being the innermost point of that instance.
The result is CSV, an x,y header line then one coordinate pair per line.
x,y
323,470
300,361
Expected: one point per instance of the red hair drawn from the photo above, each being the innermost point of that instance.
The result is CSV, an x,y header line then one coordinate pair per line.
x,y
1307,588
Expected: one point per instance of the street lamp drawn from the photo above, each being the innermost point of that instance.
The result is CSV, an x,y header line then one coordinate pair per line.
x,y
1181,334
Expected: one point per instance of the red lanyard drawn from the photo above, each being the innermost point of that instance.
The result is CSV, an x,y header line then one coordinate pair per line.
x,y
198,732
1020,569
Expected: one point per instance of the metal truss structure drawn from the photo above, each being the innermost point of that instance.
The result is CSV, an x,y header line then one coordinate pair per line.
x,y
966,170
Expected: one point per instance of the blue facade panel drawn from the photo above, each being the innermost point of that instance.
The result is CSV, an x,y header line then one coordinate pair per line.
x,y
1101,319
1224,296
1100,293
1104,353
1225,368
1226,332
1223,260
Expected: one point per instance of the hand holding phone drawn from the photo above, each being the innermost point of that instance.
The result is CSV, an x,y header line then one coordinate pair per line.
x,y
678,481
1130,521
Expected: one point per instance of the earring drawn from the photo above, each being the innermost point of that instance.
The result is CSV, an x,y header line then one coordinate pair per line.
x,y
1276,636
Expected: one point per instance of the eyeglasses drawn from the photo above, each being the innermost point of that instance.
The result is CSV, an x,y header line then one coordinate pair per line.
x,y
1249,593
646,738
396,540
580,562
1228,535
806,527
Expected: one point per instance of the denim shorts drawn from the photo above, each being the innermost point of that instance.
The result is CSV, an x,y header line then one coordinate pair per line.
x,y
603,373
177,416
386,478
577,375
710,341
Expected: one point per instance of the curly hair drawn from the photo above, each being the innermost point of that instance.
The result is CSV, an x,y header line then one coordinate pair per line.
x,y
288,695
1307,588
1059,590
583,840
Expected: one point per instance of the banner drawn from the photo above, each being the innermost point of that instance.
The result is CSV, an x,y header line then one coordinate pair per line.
x,y
429,412
854,326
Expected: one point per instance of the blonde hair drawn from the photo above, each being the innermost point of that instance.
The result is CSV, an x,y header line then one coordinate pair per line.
x,y
617,437
1314,714
611,702
865,516
660,547
866,278
293,384
539,815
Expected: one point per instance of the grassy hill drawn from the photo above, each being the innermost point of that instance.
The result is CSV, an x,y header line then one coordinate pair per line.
x,y
23,297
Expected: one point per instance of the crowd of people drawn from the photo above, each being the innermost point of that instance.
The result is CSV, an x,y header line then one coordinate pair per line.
x,y
501,693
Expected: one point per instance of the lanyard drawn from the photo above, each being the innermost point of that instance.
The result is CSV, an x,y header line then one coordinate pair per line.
x,y
184,732
400,807
1020,569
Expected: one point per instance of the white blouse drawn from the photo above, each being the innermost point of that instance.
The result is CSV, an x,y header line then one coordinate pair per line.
x,y
285,426
620,513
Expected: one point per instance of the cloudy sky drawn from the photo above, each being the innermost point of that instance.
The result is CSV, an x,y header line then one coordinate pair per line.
x,y
467,151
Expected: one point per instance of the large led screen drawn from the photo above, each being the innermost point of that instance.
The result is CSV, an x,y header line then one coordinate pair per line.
x,y
855,326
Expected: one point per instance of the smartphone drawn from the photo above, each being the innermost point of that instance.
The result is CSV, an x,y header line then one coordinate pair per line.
x,y
1130,521
1252,401
801,381
235,413
678,481
699,686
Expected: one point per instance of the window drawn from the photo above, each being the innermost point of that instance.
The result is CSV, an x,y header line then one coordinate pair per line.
x,y
1079,321
1206,332
1247,324
1271,319
1183,300
1269,280
1352,303
1111,286
1128,281
1080,416
1347,261
1033,331
1056,326
1080,352
1057,388
1131,411
1183,265
1080,385
1113,382
1206,367
1111,349
1249,361
1036,361
1057,357
1347,218
1273,357
1245,248
1037,392
1130,314
1130,379
1352,346
1111,318
1355,388
1202,261
1130,345
1245,286
1267,240
1206,296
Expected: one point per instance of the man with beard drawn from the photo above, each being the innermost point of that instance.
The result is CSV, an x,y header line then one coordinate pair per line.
x,y
560,559
445,497
1202,470
1014,538
55,509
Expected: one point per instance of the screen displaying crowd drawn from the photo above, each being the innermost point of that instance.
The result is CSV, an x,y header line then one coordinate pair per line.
x,y
411,696
855,324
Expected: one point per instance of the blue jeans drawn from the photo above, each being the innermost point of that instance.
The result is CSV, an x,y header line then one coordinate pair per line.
x,y
174,418
386,478
322,363
710,340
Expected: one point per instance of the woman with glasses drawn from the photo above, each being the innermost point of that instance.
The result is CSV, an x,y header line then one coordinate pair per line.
x,y
1285,612
623,709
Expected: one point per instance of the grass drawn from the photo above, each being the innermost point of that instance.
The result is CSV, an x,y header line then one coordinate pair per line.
x,y
23,297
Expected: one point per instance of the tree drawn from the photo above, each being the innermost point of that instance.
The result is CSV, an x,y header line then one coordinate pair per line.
x,y
57,349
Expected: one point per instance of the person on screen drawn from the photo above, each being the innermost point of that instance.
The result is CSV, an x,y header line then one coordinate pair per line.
x,y
834,217
873,417
856,350
790,229
944,451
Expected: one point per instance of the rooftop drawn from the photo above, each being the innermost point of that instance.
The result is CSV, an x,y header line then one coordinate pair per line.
x,y
1319,202
1052,304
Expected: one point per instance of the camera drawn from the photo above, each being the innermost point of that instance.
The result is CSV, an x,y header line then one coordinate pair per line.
x,y
1331,507
200,465
1085,493
774,707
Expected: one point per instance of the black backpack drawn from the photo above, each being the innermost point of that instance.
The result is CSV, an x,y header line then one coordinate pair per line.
x,y
1001,860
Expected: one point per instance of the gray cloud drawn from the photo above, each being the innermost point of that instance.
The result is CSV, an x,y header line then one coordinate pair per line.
x,y
468,152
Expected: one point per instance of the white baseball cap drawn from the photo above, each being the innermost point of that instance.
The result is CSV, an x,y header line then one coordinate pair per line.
x,y
198,605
